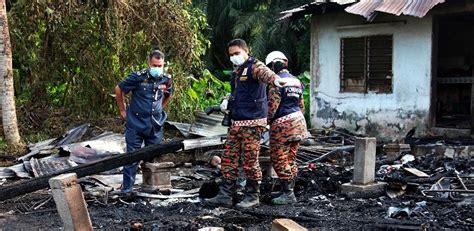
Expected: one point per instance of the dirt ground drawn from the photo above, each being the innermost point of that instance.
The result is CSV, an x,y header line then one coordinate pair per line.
x,y
320,205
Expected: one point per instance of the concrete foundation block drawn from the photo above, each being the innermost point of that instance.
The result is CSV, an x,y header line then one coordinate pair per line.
x,y
157,166
156,176
70,202
364,160
405,148
284,224
371,190
392,150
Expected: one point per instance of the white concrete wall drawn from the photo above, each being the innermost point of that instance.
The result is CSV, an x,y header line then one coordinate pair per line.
x,y
389,116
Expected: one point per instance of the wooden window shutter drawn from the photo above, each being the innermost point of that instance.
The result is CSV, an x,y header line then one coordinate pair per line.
x,y
366,64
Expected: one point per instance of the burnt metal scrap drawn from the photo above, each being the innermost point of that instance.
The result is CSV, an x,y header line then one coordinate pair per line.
x,y
21,188
46,147
427,188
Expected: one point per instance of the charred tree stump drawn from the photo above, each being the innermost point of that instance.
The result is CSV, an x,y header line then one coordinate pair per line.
x,y
109,163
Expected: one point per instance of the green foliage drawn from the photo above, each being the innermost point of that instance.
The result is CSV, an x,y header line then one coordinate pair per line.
x,y
197,94
198,23
256,22
305,79
72,54
208,90
69,55
3,144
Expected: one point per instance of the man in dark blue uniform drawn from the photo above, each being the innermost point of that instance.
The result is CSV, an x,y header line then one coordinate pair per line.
x,y
151,89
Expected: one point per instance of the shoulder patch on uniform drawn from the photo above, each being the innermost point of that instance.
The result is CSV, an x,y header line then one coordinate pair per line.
x,y
167,76
244,72
142,72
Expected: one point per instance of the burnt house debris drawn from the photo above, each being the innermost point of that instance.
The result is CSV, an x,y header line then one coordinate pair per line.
x,y
423,180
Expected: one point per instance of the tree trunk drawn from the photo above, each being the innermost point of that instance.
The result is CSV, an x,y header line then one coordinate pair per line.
x,y
10,125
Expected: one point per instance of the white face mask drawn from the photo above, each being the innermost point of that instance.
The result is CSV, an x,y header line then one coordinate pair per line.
x,y
237,59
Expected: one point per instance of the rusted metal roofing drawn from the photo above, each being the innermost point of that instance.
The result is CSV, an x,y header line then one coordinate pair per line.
x,y
391,7
368,8
311,6
207,125
365,8
50,165
417,8
340,2
290,12
204,125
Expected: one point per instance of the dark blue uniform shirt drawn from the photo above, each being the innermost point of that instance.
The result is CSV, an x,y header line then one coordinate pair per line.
x,y
145,113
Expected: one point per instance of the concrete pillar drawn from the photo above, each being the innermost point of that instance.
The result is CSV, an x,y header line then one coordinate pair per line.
x,y
70,202
364,160
157,176
363,184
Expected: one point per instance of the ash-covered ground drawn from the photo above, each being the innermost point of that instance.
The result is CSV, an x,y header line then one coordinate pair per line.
x,y
320,205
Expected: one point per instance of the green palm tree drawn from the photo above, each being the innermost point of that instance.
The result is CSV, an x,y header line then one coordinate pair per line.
x,y
256,22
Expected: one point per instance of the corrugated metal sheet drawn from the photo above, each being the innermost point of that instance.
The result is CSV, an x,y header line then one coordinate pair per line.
x,y
420,8
417,8
365,8
340,2
392,7
306,7
207,125
50,165
369,8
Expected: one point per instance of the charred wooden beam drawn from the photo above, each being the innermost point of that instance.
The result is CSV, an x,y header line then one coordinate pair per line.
x,y
106,164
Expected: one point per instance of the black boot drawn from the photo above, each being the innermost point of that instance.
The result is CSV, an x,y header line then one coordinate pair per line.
x,y
275,194
224,197
287,196
252,193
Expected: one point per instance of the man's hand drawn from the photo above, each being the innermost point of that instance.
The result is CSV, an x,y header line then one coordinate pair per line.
x,y
223,105
120,103
287,82
123,114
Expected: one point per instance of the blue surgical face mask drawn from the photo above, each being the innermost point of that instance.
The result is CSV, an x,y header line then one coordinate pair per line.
x,y
156,71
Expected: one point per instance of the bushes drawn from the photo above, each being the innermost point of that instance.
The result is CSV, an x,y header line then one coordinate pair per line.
x,y
72,54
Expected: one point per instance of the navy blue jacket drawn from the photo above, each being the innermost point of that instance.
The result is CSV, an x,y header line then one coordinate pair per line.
x,y
290,98
248,99
145,113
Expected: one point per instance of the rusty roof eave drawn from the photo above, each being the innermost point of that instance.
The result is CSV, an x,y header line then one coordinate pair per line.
x,y
315,7
367,8
416,8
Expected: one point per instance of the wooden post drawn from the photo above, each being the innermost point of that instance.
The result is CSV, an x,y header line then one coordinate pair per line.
x,y
284,224
72,207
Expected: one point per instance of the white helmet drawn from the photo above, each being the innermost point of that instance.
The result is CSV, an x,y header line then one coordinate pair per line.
x,y
275,55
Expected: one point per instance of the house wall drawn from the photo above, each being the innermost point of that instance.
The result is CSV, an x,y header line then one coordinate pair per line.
x,y
387,116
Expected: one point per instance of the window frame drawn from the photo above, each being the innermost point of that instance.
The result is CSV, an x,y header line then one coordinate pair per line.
x,y
366,64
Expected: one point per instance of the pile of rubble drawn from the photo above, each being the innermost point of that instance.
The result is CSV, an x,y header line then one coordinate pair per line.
x,y
420,184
